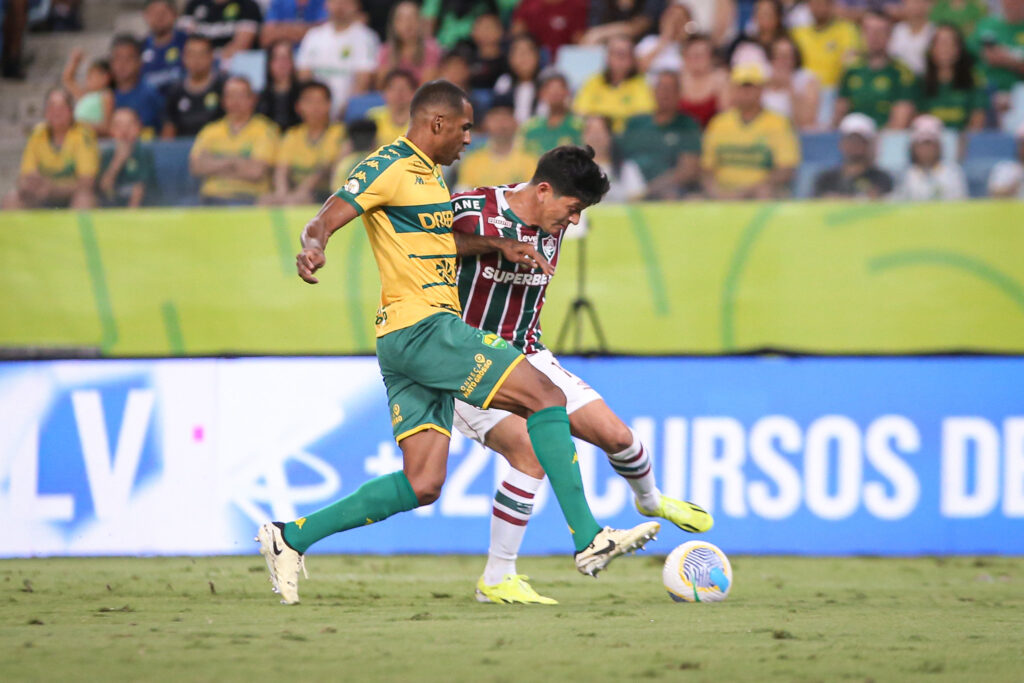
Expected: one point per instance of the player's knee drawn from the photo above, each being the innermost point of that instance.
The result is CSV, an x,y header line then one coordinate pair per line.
x,y
427,488
548,395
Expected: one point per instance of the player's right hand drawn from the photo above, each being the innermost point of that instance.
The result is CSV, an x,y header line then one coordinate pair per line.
x,y
308,262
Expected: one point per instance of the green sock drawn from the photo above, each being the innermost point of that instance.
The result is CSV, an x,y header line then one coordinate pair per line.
x,y
375,500
552,442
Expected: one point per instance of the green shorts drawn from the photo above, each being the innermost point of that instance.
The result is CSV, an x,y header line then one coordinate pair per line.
x,y
440,358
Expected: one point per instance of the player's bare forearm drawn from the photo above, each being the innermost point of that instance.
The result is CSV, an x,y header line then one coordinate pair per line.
x,y
333,215
513,250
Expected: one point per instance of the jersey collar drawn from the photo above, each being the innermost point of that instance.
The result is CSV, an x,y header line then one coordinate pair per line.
x,y
505,209
417,151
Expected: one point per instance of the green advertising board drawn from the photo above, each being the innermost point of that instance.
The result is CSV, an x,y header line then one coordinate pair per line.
x,y
706,278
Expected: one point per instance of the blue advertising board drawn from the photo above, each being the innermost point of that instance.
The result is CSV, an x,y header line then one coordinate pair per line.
x,y
811,456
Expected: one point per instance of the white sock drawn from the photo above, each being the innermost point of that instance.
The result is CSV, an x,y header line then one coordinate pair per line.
x,y
634,465
513,504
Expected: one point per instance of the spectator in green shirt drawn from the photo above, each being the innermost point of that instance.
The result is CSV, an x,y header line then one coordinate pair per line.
x,y
999,44
451,21
876,84
127,174
950,89
665,144
560,126
964,14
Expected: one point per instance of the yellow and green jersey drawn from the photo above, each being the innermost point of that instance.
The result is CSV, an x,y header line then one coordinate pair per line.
x,y
76,157
483,167
873,91
304,155
387,128
257,139
598,97
824,49
407,211
742,154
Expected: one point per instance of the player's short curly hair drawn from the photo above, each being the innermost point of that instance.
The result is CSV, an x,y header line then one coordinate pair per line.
x,y
572,172
438,93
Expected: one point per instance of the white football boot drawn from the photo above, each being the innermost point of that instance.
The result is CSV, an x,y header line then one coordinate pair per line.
x,y
283,562
611,543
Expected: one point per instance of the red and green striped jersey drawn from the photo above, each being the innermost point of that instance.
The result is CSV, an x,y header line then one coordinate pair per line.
x,y
498,296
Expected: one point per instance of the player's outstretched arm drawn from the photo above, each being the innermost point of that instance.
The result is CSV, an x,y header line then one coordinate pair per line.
x,y
513,250
334,214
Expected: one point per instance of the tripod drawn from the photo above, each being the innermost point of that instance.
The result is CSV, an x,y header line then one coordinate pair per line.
x,y
582,309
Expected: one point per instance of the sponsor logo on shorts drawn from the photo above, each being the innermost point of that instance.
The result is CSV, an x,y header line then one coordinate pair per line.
x,y
396,414
483,364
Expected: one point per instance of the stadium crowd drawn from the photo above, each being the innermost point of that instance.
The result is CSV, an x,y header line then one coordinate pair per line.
x,y
679,98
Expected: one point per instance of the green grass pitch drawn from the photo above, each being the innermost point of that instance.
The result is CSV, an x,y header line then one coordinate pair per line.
x,y
414,619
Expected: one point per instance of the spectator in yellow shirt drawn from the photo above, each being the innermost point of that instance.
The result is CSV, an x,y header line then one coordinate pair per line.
x,y
308,151
749,152
619,92
502,160
234,155
392,118
60,161
362,140
828,44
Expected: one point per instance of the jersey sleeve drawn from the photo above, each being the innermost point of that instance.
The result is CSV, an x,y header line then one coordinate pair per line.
x,y
467,210
371,184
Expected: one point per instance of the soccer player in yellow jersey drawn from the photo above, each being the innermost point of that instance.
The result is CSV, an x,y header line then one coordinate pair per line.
x,y
748,152
308,151
427,354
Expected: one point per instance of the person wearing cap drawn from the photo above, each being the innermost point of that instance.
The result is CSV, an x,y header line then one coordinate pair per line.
x,y
827,43
1007,177
560,126
618,92
502,160
929,177
857,176
748,152
665,144
876,84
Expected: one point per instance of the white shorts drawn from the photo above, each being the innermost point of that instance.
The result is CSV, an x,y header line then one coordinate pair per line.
x,y
475,422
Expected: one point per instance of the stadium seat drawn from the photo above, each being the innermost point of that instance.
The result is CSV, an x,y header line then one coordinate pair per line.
x,y
177,186
803,185
984,150
579,62
1015,117
820,147
359,105
253,65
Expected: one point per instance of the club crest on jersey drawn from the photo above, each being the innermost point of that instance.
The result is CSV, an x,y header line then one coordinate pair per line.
x,y
494,341
352,186
548,246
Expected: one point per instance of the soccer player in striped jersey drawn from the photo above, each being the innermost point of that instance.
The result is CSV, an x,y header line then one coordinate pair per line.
x,y
427,354
505,297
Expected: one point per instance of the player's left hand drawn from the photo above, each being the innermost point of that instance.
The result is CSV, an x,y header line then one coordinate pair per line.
x,y
525,255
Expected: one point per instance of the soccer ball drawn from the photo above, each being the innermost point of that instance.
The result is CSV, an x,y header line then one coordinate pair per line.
x,y
697,571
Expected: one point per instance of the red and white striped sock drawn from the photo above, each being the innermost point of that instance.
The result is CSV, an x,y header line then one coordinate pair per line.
x,y
513,504
634,465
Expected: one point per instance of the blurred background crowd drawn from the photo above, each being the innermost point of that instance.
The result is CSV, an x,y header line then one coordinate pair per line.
x,y
228,102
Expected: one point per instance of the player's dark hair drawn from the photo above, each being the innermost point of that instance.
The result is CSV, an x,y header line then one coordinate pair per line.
x,y
169,3
572,172
400,73
314,85
438,93
125,39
